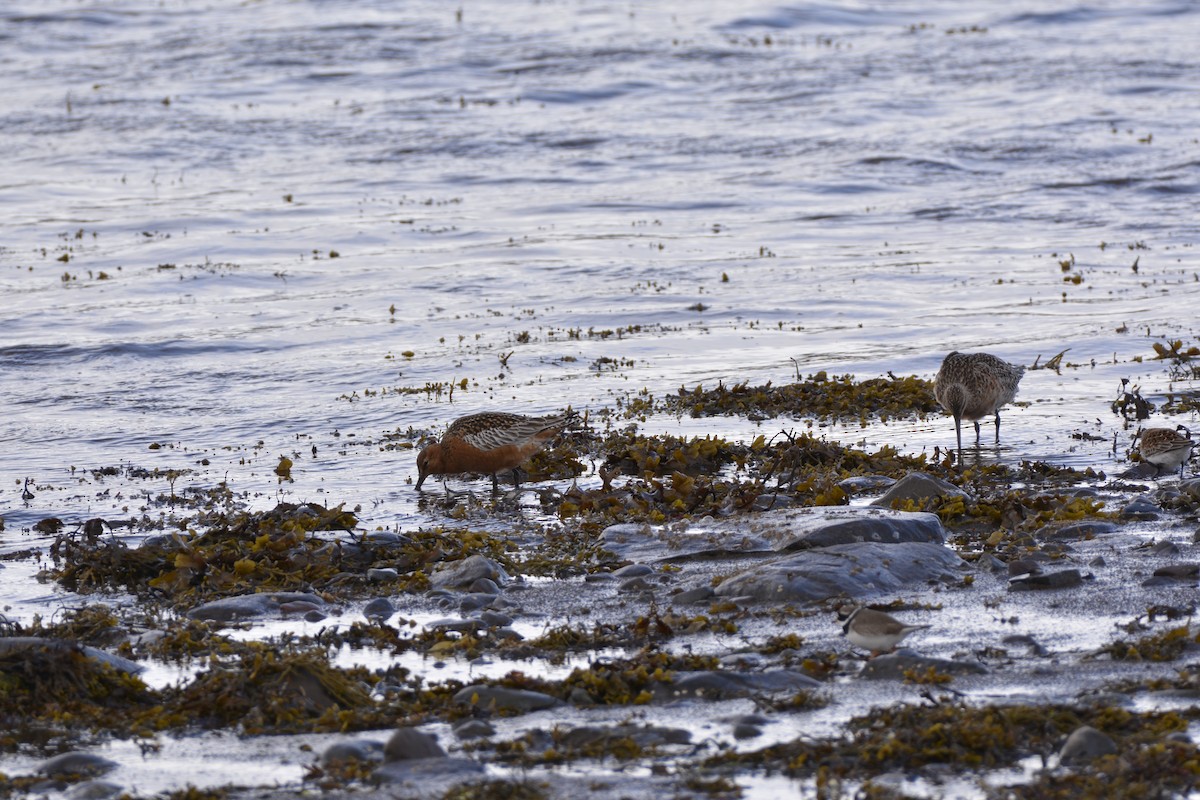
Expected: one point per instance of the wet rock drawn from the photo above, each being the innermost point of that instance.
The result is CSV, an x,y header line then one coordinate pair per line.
x,y
722,685
770,502
407,743
989,563
1188,571
634,585
484,586
1062,579
746,731
698,594
16,643
425,777
853,570
892,666
461,574
865,483
474,729
380,574
475,600
451,624
507,633
247,606
76,763
1165,548
643,736
315,616
1191,488
379,609
1024,640
918,486
1141,507
1097,562
1086,744
354,750
504,698
94,790
1076,530
1024,566
633,571
777,531
494,619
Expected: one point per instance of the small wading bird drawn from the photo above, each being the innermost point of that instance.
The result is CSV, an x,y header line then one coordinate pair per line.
x,y
489,443
873,630
1165,448
973,386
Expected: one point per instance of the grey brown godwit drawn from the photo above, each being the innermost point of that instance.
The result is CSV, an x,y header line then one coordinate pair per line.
x,y
489,443
975,385
1166,448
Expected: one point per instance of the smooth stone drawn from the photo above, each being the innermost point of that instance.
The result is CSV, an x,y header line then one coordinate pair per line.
x,y
9,644
865,483
474,729
315,616
1063,579
634,585
851,570
503,697
917,486
461,574
1141,507
1025,640
1076,530
94,790
76,763
989,563
474,600
494,619
746,731
599,577
1165,548
771,502
1182,572
713,684
353,750
451,624
892,666
380,608
634,571
770,532
693,596
426,777
484,586
409,743
507,633
643,736
246,606
382,574
1086,744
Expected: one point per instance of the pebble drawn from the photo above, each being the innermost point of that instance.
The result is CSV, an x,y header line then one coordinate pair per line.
x,y
382,574
503,697
1063,579
634,571
634,585
315,616
475,600
745,730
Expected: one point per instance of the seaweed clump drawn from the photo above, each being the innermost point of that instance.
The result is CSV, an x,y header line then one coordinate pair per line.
x,y
839,398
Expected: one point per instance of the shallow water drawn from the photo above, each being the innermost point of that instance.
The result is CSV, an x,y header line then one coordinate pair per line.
x,y
247,230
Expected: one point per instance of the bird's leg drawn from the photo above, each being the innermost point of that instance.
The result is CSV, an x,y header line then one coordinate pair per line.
x,y
997,427
495,482
977,431
958,433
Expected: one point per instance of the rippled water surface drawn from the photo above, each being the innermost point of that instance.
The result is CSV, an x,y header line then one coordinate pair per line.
x,y
236,230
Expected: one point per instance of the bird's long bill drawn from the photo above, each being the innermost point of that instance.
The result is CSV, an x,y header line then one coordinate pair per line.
x,y
421,475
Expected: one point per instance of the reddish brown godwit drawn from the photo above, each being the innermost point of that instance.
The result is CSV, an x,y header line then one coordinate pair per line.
x,y
1166,448
489,443
975,385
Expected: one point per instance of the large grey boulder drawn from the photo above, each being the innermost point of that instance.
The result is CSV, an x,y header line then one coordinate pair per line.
x,y
917,487
770,532
854,570
247,606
